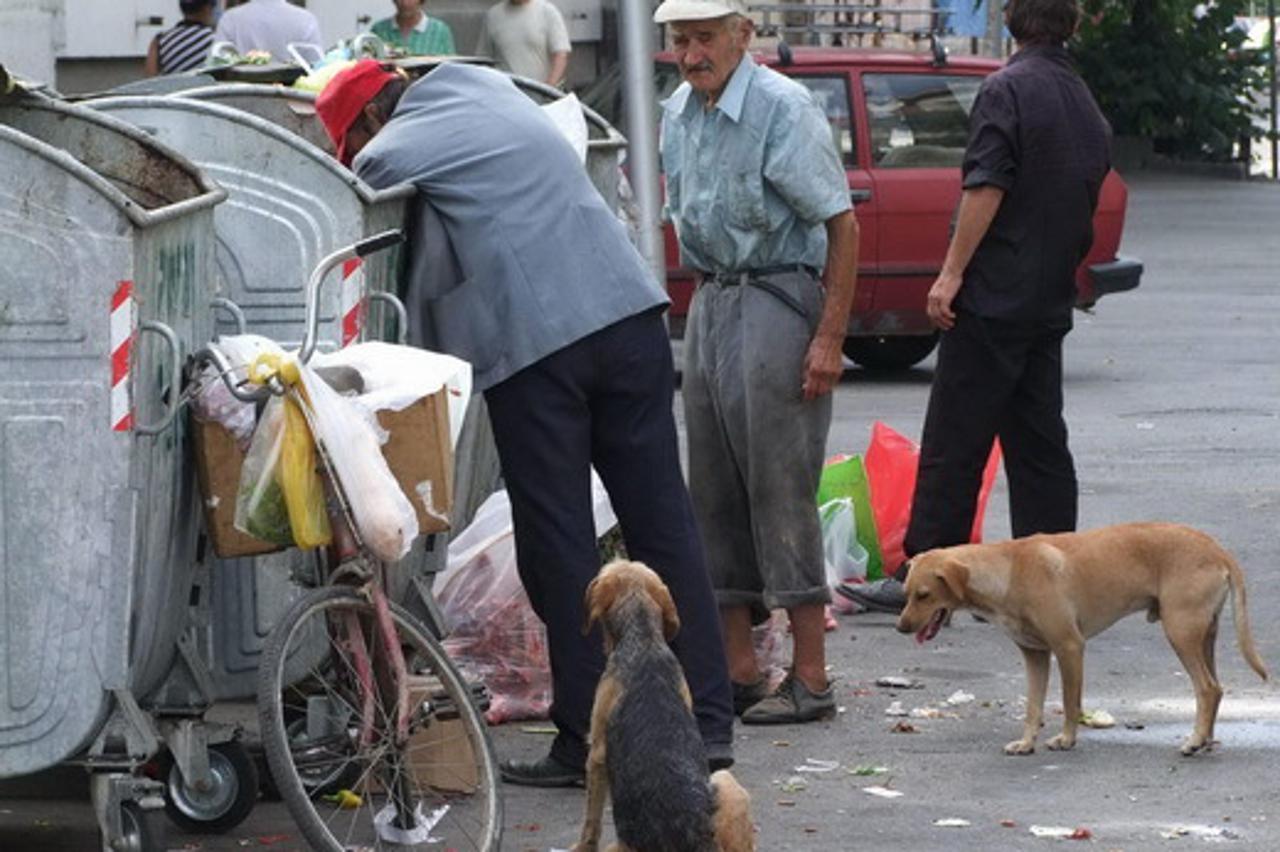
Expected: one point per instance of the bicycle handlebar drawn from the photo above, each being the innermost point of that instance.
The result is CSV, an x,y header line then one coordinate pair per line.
x,y
363,248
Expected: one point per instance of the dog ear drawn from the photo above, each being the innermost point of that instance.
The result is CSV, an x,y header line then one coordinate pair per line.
x,y
662,597
954,574
594,603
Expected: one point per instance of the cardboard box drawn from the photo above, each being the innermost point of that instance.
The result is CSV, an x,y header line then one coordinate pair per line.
x,y
417,451
440,756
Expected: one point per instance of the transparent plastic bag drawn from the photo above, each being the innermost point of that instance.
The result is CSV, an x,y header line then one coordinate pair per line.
x,y
260,506
844,555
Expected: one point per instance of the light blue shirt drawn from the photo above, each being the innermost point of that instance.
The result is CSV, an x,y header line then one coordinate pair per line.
x,y
534,259
751,182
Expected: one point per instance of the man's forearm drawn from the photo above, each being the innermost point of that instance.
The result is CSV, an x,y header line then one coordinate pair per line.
x,y
841,274
559,62
978,207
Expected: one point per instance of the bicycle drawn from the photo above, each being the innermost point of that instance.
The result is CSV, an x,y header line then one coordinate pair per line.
x,y
372,736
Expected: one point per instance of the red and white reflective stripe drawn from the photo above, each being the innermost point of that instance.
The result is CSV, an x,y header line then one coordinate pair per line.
x,y
351,300
124,327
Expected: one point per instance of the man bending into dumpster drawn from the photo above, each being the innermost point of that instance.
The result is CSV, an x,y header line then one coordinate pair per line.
x,y
562,323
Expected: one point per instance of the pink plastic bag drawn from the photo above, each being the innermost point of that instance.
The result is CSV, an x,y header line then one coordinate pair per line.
x,y
891,462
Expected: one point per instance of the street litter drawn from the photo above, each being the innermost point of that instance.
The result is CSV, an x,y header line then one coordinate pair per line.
x,y
1097,719
960,697
794,784
1204,832
812,764
868,769
1057,832
781,743
931,713
899,682
883,792
903,727
952,822
895,709
539,729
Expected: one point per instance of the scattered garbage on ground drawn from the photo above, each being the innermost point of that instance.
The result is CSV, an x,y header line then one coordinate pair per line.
x,y
1097,719
952,822
1058,832
1204,832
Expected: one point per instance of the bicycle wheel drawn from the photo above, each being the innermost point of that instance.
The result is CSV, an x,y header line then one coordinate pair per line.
x,y
433,786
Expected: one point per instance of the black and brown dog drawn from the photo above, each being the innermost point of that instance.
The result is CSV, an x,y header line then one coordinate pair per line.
x,y
645,748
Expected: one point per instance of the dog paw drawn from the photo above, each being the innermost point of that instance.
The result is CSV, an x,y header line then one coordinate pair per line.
x,y
1061,743
1197,745
1020,747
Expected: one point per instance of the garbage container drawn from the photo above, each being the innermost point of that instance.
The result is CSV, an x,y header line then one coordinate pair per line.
x,y
106,243
289,205
292,109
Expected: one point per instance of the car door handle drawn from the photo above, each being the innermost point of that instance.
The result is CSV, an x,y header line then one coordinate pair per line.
x,y
857,196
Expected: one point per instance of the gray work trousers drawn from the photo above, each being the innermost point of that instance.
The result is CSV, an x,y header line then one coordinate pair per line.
x,y
756,447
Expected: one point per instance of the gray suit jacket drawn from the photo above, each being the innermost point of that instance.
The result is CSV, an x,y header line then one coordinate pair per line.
x,y
538,260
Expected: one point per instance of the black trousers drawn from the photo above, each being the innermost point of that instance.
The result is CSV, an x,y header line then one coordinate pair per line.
x,y
606,401
994,378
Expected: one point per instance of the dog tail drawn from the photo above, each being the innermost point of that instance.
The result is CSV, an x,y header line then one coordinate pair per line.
x,y
734,831
1240,611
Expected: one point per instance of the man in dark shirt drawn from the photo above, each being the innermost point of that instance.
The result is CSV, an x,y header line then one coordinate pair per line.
x,y
1038,153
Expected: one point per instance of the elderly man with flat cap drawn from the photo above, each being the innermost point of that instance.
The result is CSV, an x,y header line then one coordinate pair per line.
x,y
521,268
761,206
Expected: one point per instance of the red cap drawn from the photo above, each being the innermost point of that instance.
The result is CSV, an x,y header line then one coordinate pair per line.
x,y
344,98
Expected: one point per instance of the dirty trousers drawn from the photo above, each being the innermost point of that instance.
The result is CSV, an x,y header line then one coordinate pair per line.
x,y
606,401
756,447
994,378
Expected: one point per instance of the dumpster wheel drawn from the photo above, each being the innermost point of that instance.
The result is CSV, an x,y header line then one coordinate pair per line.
x,y
221,808
142,830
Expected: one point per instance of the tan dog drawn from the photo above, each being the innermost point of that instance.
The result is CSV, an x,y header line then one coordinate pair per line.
x,y
1052,592
645,749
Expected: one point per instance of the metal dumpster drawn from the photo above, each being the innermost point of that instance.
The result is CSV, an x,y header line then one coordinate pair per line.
x,y
292,109
290,204
106,239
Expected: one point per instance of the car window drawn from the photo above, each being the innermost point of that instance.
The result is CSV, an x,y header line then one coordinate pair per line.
x,y
832,93
919,120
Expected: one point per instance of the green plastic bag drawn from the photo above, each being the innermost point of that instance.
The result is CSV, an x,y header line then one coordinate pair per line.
x,y
845,476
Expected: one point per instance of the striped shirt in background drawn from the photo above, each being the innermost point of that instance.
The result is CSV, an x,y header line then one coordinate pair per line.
x,y
183,47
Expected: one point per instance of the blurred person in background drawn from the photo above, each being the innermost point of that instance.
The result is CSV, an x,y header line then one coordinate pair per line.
x,y
526,37
269,26
186,44
414,31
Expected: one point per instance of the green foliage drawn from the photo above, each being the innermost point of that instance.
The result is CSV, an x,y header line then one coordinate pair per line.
x,y
1173,71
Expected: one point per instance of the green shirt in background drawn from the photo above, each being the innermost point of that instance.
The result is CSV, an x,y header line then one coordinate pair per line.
x,y
431,37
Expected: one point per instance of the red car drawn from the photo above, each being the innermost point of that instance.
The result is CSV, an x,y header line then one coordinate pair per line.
x,y
900,122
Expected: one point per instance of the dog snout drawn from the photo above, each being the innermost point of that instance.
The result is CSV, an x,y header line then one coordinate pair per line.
x,y
904,624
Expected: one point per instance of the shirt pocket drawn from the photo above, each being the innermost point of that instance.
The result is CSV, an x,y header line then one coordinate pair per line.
x,y
745,199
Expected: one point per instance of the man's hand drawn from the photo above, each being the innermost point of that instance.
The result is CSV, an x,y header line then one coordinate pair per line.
x,y
941,294
823,366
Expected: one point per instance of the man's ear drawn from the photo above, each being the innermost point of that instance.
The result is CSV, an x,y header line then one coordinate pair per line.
x,y
373,117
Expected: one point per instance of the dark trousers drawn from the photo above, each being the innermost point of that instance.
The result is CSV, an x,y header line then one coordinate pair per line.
x,y
1003,379
606,401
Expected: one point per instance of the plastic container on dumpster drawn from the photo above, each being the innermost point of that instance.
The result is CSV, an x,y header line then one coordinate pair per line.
x,y
106,242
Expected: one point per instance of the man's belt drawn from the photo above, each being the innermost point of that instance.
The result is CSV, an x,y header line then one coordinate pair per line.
x,y
742,277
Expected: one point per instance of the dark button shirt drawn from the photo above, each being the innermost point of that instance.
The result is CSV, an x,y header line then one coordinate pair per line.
x,y
1036,132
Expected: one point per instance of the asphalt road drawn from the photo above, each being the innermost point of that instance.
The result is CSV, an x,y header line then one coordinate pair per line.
x,y
1173,401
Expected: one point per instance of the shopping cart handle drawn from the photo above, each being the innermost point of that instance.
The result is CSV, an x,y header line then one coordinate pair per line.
x,y
378,242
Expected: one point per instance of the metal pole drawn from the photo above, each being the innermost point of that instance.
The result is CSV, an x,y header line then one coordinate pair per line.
x,y
635,46
1271,63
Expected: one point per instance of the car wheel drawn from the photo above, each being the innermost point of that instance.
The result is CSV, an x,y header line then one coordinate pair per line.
x,y
887,354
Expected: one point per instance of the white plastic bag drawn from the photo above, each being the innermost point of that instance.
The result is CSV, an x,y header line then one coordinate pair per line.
x,y
566,113
348,435
214,401
845,557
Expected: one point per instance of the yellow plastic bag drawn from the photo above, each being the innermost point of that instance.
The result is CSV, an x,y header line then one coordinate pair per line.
x,y
300,482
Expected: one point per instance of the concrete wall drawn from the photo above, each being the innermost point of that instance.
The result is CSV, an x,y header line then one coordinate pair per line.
x,y
31,33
